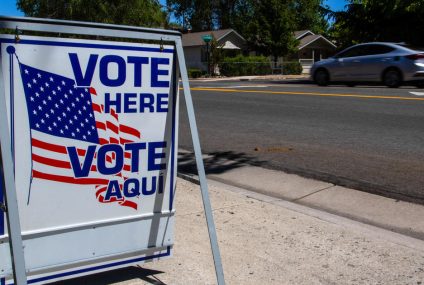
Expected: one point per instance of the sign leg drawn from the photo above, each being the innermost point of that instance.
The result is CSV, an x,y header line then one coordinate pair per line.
x,y
6,169
200,167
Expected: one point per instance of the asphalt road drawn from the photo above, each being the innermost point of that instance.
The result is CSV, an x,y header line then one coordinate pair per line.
x,y
369,137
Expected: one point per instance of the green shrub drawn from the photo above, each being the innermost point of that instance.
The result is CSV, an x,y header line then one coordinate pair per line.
x,y
194,73
245,65
292,68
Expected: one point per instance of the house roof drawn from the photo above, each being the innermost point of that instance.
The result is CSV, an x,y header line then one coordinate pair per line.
x,y
195,39
305,37
299,34
309,39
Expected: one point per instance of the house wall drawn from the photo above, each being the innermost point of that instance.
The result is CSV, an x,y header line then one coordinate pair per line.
x,y
193,54
318,53
193,57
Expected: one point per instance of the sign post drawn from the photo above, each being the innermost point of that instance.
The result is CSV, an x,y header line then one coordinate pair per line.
x,y
9,200
97,134
207,39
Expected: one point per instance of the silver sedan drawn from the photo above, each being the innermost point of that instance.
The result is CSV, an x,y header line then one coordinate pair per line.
x,y
389,63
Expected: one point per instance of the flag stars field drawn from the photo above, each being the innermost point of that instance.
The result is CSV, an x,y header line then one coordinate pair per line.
x,y
52,96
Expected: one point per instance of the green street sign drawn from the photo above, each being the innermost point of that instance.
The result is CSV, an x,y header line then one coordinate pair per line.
x,y
207,38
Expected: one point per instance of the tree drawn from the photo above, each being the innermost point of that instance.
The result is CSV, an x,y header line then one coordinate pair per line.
x,y
127,12
271,31
310,15
215,55
196,15
206,15
267,25
379,20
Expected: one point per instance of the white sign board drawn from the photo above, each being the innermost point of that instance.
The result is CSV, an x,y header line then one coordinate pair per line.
x,y
93,128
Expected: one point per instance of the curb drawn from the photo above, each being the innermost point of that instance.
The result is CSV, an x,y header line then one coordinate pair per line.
x,y
321,214
190,178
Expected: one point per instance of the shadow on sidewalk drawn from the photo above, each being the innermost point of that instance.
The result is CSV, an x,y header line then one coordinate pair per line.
x,y
216,162
116,276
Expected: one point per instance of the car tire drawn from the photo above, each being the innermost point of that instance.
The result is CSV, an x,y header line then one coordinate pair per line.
x,y
392,78
321,77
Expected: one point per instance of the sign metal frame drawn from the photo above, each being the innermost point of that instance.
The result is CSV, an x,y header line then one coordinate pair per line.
x,y
6,160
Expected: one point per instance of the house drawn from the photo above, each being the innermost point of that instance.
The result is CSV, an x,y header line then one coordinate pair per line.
x,y
195,48
312,48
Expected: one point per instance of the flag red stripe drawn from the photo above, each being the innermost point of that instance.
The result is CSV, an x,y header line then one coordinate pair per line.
x,y
130,204
71,180
54,147
48,146
100,191
129,130
51,162
67,165
112,127
101,125
93,91
58,163
96,107
123,141
121,202
113,113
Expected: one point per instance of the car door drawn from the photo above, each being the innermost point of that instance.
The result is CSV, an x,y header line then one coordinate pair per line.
x,y
353,64
343,67
370,65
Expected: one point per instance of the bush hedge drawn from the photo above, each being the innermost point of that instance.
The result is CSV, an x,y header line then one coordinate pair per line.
x,y
254,65
245,65
293,67
194,73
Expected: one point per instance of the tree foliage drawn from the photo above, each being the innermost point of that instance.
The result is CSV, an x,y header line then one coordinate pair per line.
x,y
216,55
310,15
271,31
267,25
127,12
379,20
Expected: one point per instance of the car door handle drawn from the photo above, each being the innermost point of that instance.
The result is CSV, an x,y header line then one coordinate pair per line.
x,y
356,61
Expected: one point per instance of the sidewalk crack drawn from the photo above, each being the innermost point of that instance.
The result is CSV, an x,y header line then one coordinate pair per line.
x,y
313,193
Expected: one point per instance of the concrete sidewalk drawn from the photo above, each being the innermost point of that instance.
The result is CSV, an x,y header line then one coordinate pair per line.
x,y
265,240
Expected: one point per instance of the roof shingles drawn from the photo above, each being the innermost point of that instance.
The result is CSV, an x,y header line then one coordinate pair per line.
x,y
195,39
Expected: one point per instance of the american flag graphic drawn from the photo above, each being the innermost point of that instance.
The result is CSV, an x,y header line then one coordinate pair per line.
x,y
61,115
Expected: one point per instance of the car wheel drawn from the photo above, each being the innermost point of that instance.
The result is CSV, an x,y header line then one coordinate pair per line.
x,y
392,78
321,77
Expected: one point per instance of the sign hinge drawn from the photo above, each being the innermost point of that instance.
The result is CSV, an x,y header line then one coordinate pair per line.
x,y
3,207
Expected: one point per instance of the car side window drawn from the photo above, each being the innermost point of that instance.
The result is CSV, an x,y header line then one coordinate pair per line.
x,y
354,51
364,50
378,49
